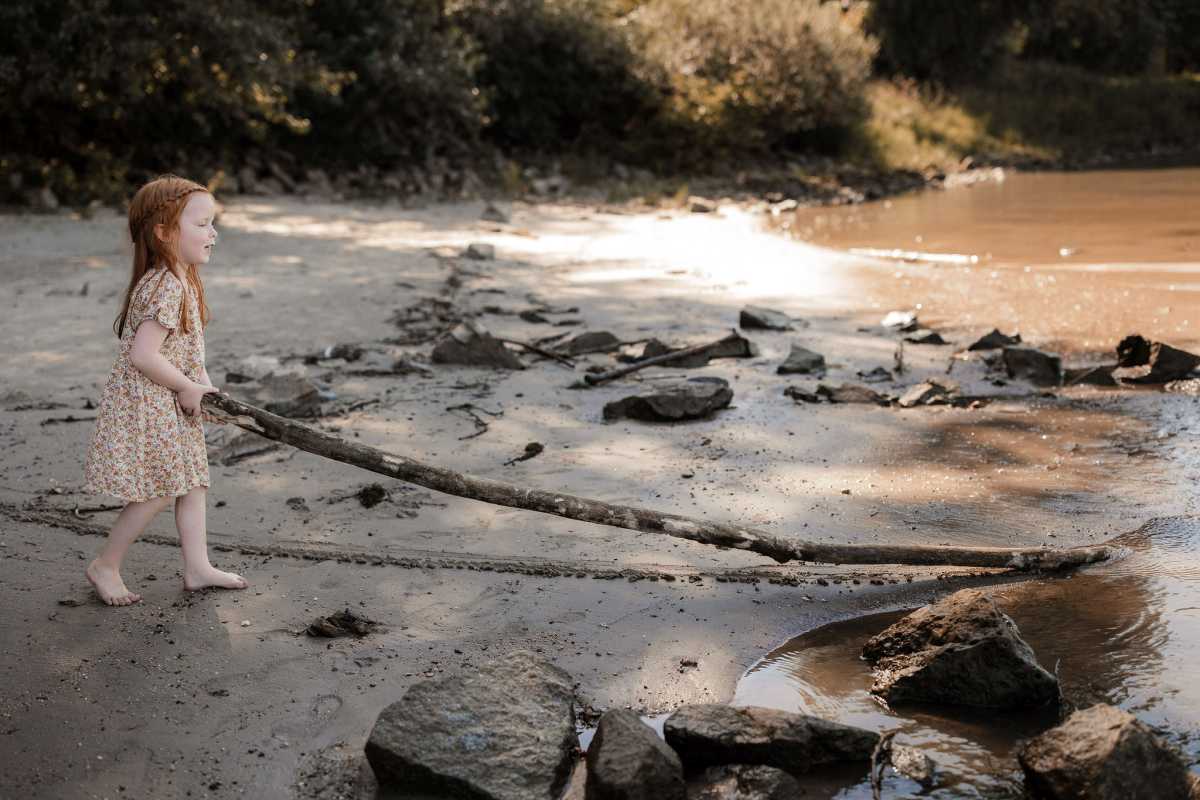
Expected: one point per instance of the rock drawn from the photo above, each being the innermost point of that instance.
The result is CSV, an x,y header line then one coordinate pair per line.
x,y
691,399
288,394
628,761
493,213
852,393
802,361
531,315
800,396
503,730
876,375
228,445
471,345
744,782
335,773
912,763
343,623
1026,363
480,251
708,735
734,346
701,205
252,368
1140,360
961,650
900,321
764,319
931,392
589,342
297,504
346,352
1090,376
925,336
1103,753
995,340
371,495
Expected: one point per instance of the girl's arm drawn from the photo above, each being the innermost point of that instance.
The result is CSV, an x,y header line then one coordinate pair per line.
x,y
145,356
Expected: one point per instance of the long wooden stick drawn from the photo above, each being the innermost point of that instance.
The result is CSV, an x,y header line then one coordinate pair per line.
x,y
439,479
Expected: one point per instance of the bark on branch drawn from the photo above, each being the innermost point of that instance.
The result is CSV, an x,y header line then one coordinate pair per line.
x,y
781,549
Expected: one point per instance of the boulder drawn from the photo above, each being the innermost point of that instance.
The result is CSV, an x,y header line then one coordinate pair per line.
x,y
995,340
471,345
690,399
852,393
1103,753
1090,376
1140,360
744,782
500,731
930,393
801,361
1028,364
709,735
925,336
589,342
480,251
961,650
755,317
628,761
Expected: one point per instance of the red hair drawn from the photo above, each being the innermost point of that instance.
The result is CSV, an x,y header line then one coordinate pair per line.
x,y
160,202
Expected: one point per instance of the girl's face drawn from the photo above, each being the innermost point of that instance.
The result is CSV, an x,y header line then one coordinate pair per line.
x,y
196,232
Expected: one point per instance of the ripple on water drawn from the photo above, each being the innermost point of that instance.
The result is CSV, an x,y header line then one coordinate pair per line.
x,y
1125,632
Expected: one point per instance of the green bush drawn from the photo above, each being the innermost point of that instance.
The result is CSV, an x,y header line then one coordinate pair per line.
x,y
756,76
555,75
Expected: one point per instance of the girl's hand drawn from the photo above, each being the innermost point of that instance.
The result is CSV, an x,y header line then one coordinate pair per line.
x,y
189,398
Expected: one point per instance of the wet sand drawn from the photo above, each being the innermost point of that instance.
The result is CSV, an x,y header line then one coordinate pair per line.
x,y
177,694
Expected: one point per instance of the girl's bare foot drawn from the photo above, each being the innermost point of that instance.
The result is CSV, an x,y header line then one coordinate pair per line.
x,y
211,576
109,586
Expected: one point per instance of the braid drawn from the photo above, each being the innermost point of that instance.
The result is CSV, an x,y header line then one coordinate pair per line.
x,y
179,194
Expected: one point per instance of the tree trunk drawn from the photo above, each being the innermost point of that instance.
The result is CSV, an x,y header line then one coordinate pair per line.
x,y
781,549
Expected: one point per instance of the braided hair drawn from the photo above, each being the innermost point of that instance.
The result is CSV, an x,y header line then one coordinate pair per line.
x,y
160,202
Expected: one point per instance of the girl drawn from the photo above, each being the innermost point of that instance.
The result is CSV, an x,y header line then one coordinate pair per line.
x,y
148,446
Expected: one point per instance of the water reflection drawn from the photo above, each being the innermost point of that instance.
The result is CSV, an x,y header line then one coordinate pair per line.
x,y
1126,633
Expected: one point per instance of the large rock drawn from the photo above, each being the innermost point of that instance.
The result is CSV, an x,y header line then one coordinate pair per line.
x,y
1028,364
471,345
1103,753
961,650
708,735
801,361
752,317
744,782
994,340
690,399
628,761
502,731
1140,360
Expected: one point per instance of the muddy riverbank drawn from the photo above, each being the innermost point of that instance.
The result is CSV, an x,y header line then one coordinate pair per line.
x,y
178,694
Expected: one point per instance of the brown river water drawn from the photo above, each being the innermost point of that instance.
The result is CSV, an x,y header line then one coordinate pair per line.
x,y
1074,261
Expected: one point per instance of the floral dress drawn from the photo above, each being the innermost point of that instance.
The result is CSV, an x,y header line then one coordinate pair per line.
x,y
144,446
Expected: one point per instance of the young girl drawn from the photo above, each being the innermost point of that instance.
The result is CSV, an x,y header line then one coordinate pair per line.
x,y
148,446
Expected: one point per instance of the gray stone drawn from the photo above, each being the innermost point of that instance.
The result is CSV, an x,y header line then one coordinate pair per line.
x,y
708,735
493,213
994,340
802,361
733,346
335,773
961,650
852,393
744,782
1103,753
1028,364
500,731
1140,360
931,392
470,344
925,336
764,319
628,761
288,394
800,395
691,399
913,764
480,251
589,342
875,375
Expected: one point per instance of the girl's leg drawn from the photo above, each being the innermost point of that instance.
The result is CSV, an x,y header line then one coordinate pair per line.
x,y
105,571
198,573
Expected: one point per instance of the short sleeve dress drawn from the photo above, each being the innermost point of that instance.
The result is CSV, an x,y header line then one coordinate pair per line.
x,y
143,445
